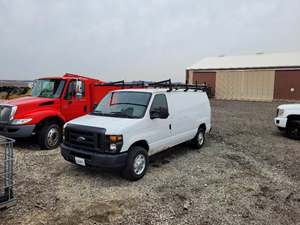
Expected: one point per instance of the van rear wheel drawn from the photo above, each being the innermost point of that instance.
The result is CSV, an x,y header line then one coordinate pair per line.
x,y
199,140
137,163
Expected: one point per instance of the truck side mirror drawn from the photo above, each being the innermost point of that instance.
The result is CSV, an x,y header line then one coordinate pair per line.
x,y
78,89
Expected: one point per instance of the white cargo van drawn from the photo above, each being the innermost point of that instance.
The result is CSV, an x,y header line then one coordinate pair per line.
x,y
130,125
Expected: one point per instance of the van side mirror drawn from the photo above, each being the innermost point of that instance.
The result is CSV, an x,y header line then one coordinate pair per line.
x,y
161,113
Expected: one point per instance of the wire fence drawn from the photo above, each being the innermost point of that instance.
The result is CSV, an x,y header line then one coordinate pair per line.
x,y
7,197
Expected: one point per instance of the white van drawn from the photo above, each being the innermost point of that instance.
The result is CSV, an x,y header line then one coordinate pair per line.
x,y
130,125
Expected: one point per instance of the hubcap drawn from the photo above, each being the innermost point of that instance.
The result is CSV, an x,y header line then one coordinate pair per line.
x,y
200,138
52,137
139,164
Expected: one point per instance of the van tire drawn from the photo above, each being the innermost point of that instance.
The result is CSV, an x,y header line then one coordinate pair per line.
x,y
293,129
199,140
131,171
49,136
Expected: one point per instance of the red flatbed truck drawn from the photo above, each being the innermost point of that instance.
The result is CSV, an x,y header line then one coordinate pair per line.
x,y
54,101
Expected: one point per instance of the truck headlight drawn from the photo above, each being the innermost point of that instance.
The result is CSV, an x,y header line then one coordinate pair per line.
x,y
280,112
13,112
115,143
21,121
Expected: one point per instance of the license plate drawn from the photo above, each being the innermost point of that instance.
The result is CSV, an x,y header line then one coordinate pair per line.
x,y
80,161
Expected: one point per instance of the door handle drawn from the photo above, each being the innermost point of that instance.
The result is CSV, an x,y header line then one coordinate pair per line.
x,y
85,108
69,102
170,127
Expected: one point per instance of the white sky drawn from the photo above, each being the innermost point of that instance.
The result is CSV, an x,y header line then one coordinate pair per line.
x,y
135,39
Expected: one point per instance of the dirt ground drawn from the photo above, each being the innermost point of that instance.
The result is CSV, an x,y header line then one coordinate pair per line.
x,y
247,173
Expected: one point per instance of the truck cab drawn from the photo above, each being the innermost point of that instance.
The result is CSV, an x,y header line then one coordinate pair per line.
x,y
288,120
54,101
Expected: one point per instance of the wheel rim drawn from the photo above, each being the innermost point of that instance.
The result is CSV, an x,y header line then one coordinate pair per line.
x,y
201,138
52,137
139,164
295,132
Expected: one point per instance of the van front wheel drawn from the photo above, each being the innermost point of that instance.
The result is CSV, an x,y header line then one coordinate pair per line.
x,y
199,140
137,163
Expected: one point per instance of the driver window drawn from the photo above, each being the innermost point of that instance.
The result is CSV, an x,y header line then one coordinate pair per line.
x,y
159,102
75,90
71,92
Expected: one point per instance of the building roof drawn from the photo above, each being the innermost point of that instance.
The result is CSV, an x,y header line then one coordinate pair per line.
x,y
259,60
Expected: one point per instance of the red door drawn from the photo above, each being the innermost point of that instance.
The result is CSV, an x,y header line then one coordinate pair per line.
x,y
75,102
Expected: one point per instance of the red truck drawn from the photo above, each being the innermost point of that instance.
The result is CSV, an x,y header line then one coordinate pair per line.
x,y
54,101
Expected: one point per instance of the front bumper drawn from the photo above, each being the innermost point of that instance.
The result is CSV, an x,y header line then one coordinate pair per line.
x,y
93,159
16,131
280,122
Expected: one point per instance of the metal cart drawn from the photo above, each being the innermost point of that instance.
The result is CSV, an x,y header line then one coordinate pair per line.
x,y
7,197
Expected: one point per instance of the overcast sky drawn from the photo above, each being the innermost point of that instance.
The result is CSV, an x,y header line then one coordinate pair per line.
x,y
135,39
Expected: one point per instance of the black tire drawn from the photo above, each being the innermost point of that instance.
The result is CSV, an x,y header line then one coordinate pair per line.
x,y
199,140
293,129
129,172
43,134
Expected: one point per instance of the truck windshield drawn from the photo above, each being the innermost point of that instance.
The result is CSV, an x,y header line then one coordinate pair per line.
x,y
48,88
123,104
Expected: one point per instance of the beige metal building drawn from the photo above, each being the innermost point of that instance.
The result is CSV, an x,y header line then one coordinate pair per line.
x,y
259,77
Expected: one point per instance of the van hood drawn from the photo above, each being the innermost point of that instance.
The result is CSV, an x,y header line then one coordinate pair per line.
x,y
289,107
112,125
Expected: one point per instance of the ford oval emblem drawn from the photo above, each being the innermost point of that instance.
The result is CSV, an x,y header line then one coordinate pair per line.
x,y
80,139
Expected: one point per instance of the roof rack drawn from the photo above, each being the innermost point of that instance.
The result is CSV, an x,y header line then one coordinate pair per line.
x,y
159,84
123,84
168,84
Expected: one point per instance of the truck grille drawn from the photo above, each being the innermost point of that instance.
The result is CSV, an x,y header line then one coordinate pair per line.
x,y
84,137
5,112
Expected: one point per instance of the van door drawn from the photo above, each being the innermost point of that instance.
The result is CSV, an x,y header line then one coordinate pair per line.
x,y
75,102
185,115
160,128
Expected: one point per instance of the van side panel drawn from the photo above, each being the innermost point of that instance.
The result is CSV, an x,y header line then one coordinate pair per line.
x,y
188,110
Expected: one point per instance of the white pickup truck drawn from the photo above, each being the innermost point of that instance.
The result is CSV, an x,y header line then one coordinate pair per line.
x,y
288,120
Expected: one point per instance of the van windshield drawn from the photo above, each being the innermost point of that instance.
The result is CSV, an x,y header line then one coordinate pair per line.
x,y
123,104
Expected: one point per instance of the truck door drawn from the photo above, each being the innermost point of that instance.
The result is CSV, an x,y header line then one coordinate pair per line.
x,y
75,102
160,128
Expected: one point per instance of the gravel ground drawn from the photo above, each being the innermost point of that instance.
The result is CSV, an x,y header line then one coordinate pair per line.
x,y
247,173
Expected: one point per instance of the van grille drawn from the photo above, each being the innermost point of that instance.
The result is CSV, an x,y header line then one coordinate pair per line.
x,y
5,112
84,137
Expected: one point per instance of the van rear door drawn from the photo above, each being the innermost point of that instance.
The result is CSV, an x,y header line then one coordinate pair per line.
x,y
185,115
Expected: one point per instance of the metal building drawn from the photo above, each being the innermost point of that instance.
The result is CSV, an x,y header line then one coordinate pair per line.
x,y
259,77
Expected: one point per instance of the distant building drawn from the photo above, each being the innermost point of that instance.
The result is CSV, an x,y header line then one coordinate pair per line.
x,y
259,77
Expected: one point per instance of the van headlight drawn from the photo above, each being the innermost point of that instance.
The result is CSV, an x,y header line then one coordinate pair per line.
x,y
280,112
115,143
21,121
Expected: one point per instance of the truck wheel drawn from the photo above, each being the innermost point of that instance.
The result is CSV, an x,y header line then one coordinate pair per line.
x,y
50,136
137,163
293,129
199,140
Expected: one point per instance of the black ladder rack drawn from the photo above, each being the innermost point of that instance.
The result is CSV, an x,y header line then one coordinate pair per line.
x,y
159,84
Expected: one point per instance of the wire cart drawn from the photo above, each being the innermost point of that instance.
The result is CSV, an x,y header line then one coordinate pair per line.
x,y
7,197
